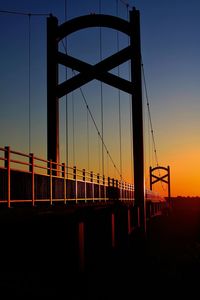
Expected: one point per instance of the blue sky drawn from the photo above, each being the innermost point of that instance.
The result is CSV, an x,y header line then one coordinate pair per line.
x,y
170,44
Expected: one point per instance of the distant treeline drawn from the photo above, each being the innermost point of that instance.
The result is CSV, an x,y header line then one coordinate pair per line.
x,y
186,197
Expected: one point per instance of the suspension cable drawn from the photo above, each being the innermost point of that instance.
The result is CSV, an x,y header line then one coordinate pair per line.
x,y
119,102
150,120
66,99
29,79
29,15
101,94
130,100
124,2
95,124
149,115
20,13
88,141
130,104
73,125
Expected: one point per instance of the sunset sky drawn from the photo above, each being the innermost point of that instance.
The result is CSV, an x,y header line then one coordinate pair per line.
x,y
170,42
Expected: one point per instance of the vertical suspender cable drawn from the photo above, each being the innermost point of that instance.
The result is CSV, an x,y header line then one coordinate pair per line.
x,y
99,152
29,79
149,141
66,100
101,85
126,3
150,122
73,127
100,138
88,142
130,105
119,102
149,114
98,131
107,164
29,62
146,140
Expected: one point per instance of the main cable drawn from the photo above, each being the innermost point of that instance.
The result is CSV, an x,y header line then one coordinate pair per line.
x,y
66,99
29,79
101,94
20,13
149,115
119,101
99,134
150,119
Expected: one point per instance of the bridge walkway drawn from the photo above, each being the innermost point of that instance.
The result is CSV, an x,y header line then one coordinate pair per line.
x,y
164,263
167,261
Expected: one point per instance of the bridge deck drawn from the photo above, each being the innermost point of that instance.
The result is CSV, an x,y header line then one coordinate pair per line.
x,y
167,259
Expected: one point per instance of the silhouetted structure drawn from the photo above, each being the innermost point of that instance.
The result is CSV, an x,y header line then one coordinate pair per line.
x,y
87,72
161,178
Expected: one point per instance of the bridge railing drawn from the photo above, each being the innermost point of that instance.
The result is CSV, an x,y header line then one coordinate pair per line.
x,y
28,178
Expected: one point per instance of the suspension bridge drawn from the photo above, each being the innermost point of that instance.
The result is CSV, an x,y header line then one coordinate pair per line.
x,y
56,90
99,209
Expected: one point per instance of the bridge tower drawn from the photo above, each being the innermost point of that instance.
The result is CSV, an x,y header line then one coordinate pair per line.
x,y
163,178
87,72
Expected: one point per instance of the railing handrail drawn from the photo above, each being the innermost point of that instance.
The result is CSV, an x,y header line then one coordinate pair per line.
x,y
57,168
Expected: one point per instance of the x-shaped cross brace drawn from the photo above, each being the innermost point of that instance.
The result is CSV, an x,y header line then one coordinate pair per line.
x,y
99,71
161,178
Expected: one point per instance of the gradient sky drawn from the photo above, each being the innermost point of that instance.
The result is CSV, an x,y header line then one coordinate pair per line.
x,y
170,42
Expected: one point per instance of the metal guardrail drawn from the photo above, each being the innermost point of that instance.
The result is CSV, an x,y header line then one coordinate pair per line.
x,y
28,163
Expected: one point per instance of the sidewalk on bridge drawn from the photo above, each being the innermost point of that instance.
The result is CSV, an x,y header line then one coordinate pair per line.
x,y
165,262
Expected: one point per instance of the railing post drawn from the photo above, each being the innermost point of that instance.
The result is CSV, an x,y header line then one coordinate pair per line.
x,y
113,185
113,182
83,174
75,178
64,175
63,170
104,188
91,180
120,191
51,190
91,176
7,166
169,188
84,179
108,189
98,182
31,169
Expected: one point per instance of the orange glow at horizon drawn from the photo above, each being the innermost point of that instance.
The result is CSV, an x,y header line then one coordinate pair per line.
x,y
184,171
